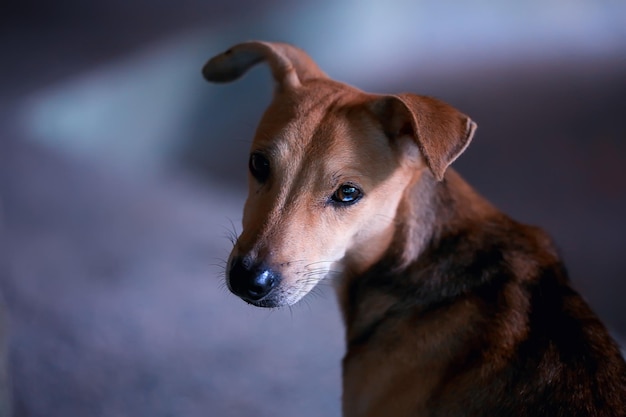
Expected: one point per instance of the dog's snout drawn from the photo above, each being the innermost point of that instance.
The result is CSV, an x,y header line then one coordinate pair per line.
x,y
252,282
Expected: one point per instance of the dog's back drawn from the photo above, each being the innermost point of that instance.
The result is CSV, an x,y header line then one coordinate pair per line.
x,y
483,323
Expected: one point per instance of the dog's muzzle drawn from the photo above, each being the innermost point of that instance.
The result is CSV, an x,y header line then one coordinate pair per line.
x,y
252,282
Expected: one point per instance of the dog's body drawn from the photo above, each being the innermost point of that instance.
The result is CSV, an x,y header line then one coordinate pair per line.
x,y
451,307
492,328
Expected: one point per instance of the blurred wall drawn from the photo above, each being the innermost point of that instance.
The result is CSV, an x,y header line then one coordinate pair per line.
x,y
121,169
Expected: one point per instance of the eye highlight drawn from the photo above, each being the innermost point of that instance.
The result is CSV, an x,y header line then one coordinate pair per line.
x,y
346,195
259,166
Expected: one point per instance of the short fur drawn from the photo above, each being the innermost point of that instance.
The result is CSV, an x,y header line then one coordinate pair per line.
x,y
451,307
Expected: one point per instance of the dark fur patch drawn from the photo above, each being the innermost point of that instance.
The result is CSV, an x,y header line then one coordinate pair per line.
x,y
565,363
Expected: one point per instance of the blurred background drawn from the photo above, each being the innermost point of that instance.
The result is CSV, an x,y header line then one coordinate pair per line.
x,y
122,172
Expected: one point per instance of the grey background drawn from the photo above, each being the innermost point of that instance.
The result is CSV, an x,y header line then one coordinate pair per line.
x,y
122,173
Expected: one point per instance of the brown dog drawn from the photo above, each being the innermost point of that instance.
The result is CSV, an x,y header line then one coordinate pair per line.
x,y
451,307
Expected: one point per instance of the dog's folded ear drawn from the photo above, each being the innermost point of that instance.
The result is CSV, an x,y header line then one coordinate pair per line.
x,y
290,66
441,132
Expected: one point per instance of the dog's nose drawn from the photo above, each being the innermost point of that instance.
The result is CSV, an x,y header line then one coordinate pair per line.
x,y
251,281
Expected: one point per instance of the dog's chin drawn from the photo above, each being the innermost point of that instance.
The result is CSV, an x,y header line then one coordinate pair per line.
x,y
280,297
267,302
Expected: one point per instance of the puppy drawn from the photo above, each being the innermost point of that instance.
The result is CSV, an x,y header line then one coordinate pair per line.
x,y
451,308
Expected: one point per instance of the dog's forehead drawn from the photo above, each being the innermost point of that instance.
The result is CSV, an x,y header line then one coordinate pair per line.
x,y
314,113
327,131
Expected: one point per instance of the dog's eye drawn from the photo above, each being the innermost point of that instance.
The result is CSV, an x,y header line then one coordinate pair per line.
x,y
259,166
347,194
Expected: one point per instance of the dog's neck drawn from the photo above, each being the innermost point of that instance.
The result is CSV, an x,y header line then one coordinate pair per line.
x,y
429,210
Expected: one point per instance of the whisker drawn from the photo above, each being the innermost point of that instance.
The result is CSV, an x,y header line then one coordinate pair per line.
x,y
391,219
223,286
231,233
318,262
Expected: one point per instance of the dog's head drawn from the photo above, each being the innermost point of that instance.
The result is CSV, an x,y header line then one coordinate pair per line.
x,y
328,170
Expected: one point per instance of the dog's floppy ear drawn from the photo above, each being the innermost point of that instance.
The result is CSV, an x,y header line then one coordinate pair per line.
x,y
442,133
290,66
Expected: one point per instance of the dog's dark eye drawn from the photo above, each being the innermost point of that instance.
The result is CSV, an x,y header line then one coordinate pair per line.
x,y
347,194
259,166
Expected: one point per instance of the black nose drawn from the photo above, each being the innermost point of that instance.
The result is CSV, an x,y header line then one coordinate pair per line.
x,y
251,281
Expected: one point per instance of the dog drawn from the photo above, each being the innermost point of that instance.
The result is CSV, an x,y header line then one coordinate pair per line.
x,y
451,308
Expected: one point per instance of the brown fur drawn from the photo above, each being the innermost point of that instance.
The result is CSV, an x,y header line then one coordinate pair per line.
x,y
451,308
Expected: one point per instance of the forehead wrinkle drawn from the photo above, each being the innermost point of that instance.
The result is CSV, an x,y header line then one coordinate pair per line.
x,y
319,93
309,112
296,137
318,128
362,153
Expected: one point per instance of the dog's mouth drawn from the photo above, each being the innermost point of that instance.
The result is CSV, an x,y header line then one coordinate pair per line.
x,y
268,302
263,286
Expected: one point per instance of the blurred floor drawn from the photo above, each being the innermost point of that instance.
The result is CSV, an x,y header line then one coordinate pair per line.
x,y
121,171
117,307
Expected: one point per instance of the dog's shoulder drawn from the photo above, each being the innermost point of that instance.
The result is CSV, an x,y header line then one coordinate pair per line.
x,y
537,345
492,299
